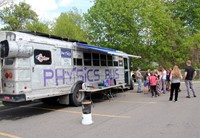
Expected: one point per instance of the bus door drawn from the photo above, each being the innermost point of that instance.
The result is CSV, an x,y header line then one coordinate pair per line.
x,y
126,71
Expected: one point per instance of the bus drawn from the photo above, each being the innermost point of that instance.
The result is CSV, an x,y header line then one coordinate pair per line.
x,y
39,66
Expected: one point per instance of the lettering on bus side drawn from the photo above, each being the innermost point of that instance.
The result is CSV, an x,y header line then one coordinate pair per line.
x,y
63,76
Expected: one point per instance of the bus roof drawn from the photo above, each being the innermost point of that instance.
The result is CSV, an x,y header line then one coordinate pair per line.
x,y
106,50
82,44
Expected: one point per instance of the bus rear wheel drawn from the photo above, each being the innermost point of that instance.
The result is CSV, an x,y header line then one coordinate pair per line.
x,y
77,97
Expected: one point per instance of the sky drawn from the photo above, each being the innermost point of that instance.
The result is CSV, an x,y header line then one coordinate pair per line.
x,y
50,9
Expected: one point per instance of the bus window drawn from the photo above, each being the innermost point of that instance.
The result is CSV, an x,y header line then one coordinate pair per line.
x,y
87,59
110,62
95,59
78,61
9,61
115,63
42,57
125,63
120,62
103,60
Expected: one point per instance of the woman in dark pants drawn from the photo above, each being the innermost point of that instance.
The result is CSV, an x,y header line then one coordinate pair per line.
x,y
175,78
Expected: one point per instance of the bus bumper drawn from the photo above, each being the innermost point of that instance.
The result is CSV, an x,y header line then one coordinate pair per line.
x,y
13,98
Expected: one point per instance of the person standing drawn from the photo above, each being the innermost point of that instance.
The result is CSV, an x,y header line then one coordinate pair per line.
x,y
168,79
133,76
152,81
139,80
146,83
164,76
190,73
175,78
133,80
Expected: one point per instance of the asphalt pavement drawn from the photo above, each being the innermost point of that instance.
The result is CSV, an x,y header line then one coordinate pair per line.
x,y
128,115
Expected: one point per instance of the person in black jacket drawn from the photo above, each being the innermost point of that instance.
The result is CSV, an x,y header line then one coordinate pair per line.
x,y
190,73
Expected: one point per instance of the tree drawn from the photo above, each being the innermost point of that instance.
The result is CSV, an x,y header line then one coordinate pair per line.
x,y
192,45
38,26
15,17
70,25
139,27
188,12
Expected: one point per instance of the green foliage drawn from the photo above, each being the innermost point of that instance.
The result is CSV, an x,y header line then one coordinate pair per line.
x,y
188,12
193,48
138,27
16,16
161,32
69,25
39,26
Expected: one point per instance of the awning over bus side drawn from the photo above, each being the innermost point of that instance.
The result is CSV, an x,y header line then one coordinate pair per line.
x,y
105,50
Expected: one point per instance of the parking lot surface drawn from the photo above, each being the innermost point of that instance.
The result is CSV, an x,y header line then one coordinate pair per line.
x,y
128,115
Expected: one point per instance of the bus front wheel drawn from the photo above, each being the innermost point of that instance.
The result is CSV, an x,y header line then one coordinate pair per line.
x,y
77,97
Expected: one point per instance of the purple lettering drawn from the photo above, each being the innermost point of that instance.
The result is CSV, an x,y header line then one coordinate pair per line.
x,y
116,76
62,76
79,73
70,73
48,74
107,73
88,75
96,74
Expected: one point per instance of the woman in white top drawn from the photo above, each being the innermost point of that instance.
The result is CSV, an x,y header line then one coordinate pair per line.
x,y
175,78
164,76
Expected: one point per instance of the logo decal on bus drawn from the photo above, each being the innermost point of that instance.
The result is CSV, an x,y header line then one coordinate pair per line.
x,y
41,58
66,53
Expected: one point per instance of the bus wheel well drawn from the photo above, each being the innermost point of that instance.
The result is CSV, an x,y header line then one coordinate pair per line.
x,y
76,97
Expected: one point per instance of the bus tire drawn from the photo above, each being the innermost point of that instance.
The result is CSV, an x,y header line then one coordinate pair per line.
x,y
76,97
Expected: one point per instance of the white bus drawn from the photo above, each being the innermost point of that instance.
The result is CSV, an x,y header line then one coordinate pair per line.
x,y
41,66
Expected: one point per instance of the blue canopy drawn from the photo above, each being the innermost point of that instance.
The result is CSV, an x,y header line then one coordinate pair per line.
x,y
105,50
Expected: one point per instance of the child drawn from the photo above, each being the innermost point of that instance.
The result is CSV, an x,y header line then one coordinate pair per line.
x,y
152,80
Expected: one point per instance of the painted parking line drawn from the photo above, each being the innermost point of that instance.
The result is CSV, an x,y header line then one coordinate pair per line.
x,y
75,112
8,135
134,102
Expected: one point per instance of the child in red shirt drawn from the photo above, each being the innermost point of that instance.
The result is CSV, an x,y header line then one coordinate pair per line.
x,y
152,80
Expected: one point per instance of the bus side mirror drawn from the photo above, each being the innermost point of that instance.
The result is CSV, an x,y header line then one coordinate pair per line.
x,y
4,48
